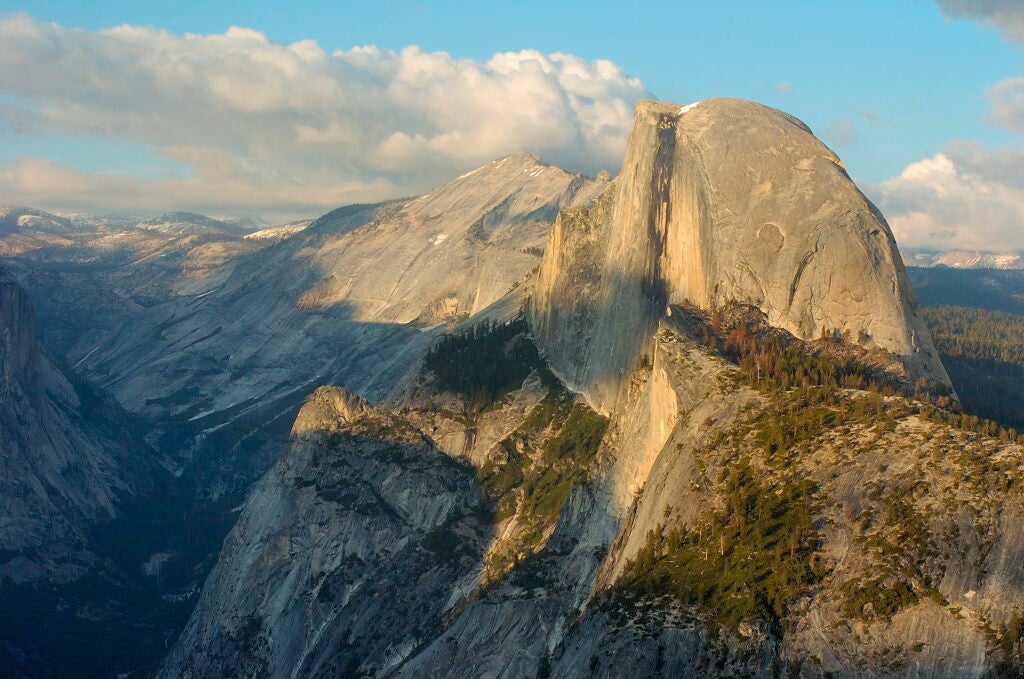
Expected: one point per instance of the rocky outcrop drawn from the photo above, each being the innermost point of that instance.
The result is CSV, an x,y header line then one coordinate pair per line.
x,y
217,340
721,201
349,554
20,357
718,522
911,537
62,469
722,524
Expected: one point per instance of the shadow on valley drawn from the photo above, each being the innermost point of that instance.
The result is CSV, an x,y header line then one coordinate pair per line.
x,y
126,612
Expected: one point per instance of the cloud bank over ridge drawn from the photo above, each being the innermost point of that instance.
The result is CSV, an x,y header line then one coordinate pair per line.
x,y
967,197
288,130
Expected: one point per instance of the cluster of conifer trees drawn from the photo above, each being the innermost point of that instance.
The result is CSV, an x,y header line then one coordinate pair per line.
x,y
983,351
485,362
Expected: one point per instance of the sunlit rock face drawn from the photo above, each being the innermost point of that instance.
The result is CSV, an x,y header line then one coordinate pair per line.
x,y
723,200
438,537
218,339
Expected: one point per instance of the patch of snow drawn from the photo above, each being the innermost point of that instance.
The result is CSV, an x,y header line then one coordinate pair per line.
x,y
282,231
208,292
207,413
440,238
689,106
469,174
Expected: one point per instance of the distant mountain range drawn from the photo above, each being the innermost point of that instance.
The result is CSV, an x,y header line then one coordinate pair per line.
x,y
964,259
19,218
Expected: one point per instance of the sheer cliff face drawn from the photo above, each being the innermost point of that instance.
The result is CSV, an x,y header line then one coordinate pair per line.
x,y
724,200
65,455
19,359
368,550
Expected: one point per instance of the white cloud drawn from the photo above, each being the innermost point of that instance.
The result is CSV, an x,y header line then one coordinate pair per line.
x,y
967,197
1005,15
291,129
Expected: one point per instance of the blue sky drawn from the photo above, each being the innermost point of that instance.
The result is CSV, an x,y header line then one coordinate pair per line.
x,y
886,84
923,76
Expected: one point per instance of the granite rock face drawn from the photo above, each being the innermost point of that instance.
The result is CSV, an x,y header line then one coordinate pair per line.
x,y
70,460
431,537
67,455
366,551
722,201
348,554
219,339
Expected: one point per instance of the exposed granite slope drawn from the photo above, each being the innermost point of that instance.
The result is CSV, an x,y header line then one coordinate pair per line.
x,y
721,201
220,339
67,454
70,458
898,503
349,553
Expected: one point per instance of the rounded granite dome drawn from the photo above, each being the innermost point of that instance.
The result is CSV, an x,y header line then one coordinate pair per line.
x,y
721,201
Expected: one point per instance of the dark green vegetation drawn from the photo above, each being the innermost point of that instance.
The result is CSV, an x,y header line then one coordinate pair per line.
x,y
990,289
882,597
905,557
540,461
751,557
1006,644
983,351
745,562
485,362
774,360
770,358
534,469
807,413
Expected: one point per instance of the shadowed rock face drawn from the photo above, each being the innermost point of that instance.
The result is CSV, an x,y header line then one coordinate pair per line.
x,y
65,454
19,353
725,200
349,552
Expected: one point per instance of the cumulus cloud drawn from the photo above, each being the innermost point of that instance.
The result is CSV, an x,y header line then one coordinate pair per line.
x,y
291,129
965,198
1005,15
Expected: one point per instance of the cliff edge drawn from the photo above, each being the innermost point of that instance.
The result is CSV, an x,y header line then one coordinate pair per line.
x,y
722,201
